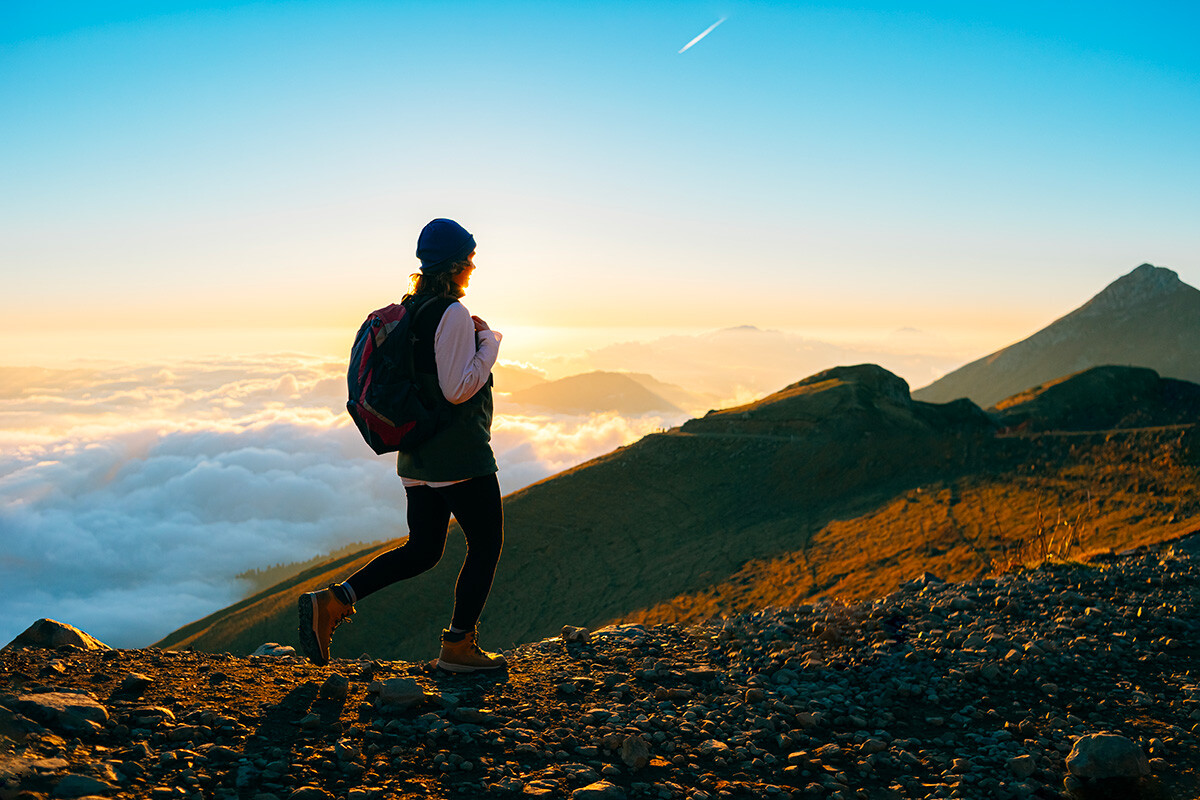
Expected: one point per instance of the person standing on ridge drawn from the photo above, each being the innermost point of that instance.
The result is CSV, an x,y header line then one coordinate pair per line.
x,y
452,473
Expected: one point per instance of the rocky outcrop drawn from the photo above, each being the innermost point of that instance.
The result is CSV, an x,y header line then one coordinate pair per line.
x,y
849,399
66,711
51,634
1106,755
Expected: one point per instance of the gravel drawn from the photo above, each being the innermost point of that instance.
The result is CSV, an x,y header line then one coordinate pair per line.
x,y
974,690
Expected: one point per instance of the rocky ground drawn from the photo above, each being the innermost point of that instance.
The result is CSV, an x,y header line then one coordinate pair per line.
x,y
972,690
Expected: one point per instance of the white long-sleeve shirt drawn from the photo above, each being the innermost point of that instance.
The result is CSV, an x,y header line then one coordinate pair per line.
x,y
465,358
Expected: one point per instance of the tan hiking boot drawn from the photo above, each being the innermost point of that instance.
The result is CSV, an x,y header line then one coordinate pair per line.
x,y
320,613
460,653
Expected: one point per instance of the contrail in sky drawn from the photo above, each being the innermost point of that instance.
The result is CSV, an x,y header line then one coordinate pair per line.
x,y
707,31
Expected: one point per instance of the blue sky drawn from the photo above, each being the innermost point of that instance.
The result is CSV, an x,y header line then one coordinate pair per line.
x,y
970,169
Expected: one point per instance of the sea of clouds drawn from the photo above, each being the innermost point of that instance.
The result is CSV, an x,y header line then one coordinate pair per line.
x,y
131,498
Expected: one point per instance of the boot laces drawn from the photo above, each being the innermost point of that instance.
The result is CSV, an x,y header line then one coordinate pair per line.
x,y
343,618
472,641
476,649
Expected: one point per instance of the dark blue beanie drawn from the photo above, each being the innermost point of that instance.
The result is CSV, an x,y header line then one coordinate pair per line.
x,y
442,243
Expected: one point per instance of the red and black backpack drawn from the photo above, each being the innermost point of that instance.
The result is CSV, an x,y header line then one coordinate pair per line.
x,y
386,402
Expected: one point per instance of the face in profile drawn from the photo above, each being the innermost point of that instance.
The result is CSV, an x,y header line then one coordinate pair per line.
x,y
463,276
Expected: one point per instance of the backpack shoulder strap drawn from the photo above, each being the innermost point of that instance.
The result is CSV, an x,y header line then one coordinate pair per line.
x,y
427,315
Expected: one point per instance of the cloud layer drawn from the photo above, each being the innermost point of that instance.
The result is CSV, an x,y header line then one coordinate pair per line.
x,y
131,498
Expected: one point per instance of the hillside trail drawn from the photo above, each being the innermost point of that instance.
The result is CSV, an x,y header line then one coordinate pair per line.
x,y
1105,432
999,434
770,437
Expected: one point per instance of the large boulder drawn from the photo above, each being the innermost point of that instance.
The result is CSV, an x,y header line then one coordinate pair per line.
x,y
274,649
635,752
50,634
400,693
62,710
1107,755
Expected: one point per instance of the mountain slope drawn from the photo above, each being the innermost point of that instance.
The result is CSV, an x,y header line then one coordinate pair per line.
x,y
1148,318
840,484
668,514
1109,459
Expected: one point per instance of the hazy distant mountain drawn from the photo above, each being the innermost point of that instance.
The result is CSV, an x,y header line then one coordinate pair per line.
x,y
689,401
724,366
840,484
1148,318
595,392
512,378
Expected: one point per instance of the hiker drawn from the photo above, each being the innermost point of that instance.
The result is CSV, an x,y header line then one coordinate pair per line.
x,y
452,473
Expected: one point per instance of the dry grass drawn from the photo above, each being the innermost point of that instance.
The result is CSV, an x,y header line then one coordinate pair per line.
x,y
1046,541
1069,497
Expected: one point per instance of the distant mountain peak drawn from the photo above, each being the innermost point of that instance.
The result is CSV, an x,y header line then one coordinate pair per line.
x,y
595,392
1144,283
1146,318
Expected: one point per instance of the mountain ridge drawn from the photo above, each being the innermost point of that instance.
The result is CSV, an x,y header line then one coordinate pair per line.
x,y
1146,318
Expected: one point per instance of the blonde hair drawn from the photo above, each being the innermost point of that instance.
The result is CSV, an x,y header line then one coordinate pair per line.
x,y
439,284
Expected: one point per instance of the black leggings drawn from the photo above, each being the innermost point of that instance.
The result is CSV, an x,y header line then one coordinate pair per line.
x,y
476,505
